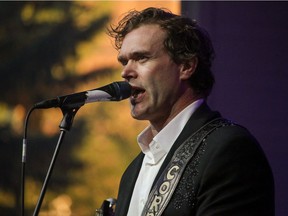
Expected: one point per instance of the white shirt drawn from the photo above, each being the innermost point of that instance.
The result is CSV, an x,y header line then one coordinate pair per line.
x,y
155,150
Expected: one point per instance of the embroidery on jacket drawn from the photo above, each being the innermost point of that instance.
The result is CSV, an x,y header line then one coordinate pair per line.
x,y
168,181
186,191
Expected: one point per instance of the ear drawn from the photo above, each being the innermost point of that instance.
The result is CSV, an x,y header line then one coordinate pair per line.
x,y
188,68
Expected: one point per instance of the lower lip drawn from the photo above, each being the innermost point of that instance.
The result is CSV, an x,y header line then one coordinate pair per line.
x,y
139,97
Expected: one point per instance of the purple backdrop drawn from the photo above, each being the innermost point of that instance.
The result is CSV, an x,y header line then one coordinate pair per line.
x,y
251,44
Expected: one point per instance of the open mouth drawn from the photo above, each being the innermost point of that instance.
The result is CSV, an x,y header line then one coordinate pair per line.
x,y
137,92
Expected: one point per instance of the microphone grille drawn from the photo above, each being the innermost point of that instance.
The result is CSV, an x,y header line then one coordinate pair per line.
x,y
122,90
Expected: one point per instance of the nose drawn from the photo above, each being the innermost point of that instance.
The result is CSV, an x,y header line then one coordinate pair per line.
x,y
129,71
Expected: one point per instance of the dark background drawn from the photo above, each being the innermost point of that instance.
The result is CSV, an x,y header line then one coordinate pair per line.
x,y
250,40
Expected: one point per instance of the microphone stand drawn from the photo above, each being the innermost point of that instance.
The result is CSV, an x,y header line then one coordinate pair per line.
x,y
65,125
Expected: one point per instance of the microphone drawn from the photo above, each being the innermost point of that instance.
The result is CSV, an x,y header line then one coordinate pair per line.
x,y
115,91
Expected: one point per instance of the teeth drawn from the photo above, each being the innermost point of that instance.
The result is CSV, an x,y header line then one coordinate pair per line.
x,y
136,92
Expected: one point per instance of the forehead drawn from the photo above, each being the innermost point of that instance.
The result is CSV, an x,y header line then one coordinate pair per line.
x,y
147,37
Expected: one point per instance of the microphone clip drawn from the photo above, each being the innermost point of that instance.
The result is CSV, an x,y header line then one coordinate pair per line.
x,y
68,117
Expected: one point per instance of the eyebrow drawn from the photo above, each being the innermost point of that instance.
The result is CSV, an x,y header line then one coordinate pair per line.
x,y
133,55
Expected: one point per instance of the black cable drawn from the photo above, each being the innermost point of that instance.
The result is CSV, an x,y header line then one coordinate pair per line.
x,y
24,146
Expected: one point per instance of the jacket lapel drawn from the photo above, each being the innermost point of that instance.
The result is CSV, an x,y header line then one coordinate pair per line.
x,y
127,184
199,118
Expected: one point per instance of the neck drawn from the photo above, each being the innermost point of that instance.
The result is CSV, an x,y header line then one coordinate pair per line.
x,y
158,124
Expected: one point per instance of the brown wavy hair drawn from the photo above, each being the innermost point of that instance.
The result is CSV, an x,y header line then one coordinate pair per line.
x,y
185,40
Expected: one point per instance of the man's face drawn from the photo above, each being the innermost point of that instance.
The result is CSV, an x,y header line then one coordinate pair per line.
x,y
151,72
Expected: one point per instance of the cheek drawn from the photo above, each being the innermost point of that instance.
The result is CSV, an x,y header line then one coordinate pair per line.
x,y
159,93
163,75
161,78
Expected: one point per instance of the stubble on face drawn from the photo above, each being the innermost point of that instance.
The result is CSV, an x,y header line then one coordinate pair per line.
x,y
152,73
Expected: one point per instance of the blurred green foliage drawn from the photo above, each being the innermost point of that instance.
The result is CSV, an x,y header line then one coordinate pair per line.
x,y
38,58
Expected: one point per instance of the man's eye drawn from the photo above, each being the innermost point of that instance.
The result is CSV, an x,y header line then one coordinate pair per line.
x,y
141,58
123,62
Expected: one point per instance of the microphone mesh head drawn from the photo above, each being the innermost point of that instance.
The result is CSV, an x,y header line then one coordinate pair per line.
x,y
122,90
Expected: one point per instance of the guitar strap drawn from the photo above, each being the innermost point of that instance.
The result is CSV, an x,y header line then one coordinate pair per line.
x,y
163,189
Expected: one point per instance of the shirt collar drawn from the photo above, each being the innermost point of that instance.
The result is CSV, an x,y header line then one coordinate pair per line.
x,y
157,147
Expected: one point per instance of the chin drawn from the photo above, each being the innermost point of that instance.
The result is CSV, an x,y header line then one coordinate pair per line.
x,y
138,116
